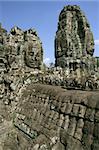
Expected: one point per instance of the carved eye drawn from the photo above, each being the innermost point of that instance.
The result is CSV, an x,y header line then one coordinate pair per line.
x,y
31,53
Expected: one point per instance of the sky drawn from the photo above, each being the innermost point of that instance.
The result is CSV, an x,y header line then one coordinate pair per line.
x,y
43,16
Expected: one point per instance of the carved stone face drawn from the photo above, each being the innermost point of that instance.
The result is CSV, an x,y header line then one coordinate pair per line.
x,y
31,56
73,36
33,49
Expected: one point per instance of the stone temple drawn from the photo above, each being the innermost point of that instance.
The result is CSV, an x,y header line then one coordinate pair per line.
x,y
74,42
50,108
22,48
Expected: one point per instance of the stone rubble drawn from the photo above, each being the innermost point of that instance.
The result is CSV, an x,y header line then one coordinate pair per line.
x,y
63,116
50,108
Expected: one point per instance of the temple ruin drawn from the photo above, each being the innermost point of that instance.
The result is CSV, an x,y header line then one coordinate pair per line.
x,y
50,108
74,43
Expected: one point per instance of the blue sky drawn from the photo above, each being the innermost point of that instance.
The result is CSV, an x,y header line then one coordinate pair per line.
x,y
43,16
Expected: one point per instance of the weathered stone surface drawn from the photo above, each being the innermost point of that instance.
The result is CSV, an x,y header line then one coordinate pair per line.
x,y
74,34
36,110
33,49
3,34
74,43
22,48
97,61
80,128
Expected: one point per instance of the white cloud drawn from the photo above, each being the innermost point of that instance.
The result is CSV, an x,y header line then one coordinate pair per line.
x,y
97,42
47,60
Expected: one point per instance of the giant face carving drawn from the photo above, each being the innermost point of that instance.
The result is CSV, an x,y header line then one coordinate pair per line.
x,y
33,49
32,57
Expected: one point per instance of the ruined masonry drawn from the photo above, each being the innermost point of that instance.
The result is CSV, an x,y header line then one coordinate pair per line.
x,y
21,48
74,43
50,108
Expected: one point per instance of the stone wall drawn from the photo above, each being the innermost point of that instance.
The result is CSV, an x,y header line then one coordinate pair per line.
x,y
54,118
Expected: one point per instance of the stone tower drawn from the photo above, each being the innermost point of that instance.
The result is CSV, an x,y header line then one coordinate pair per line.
x,y
22,49
74,43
